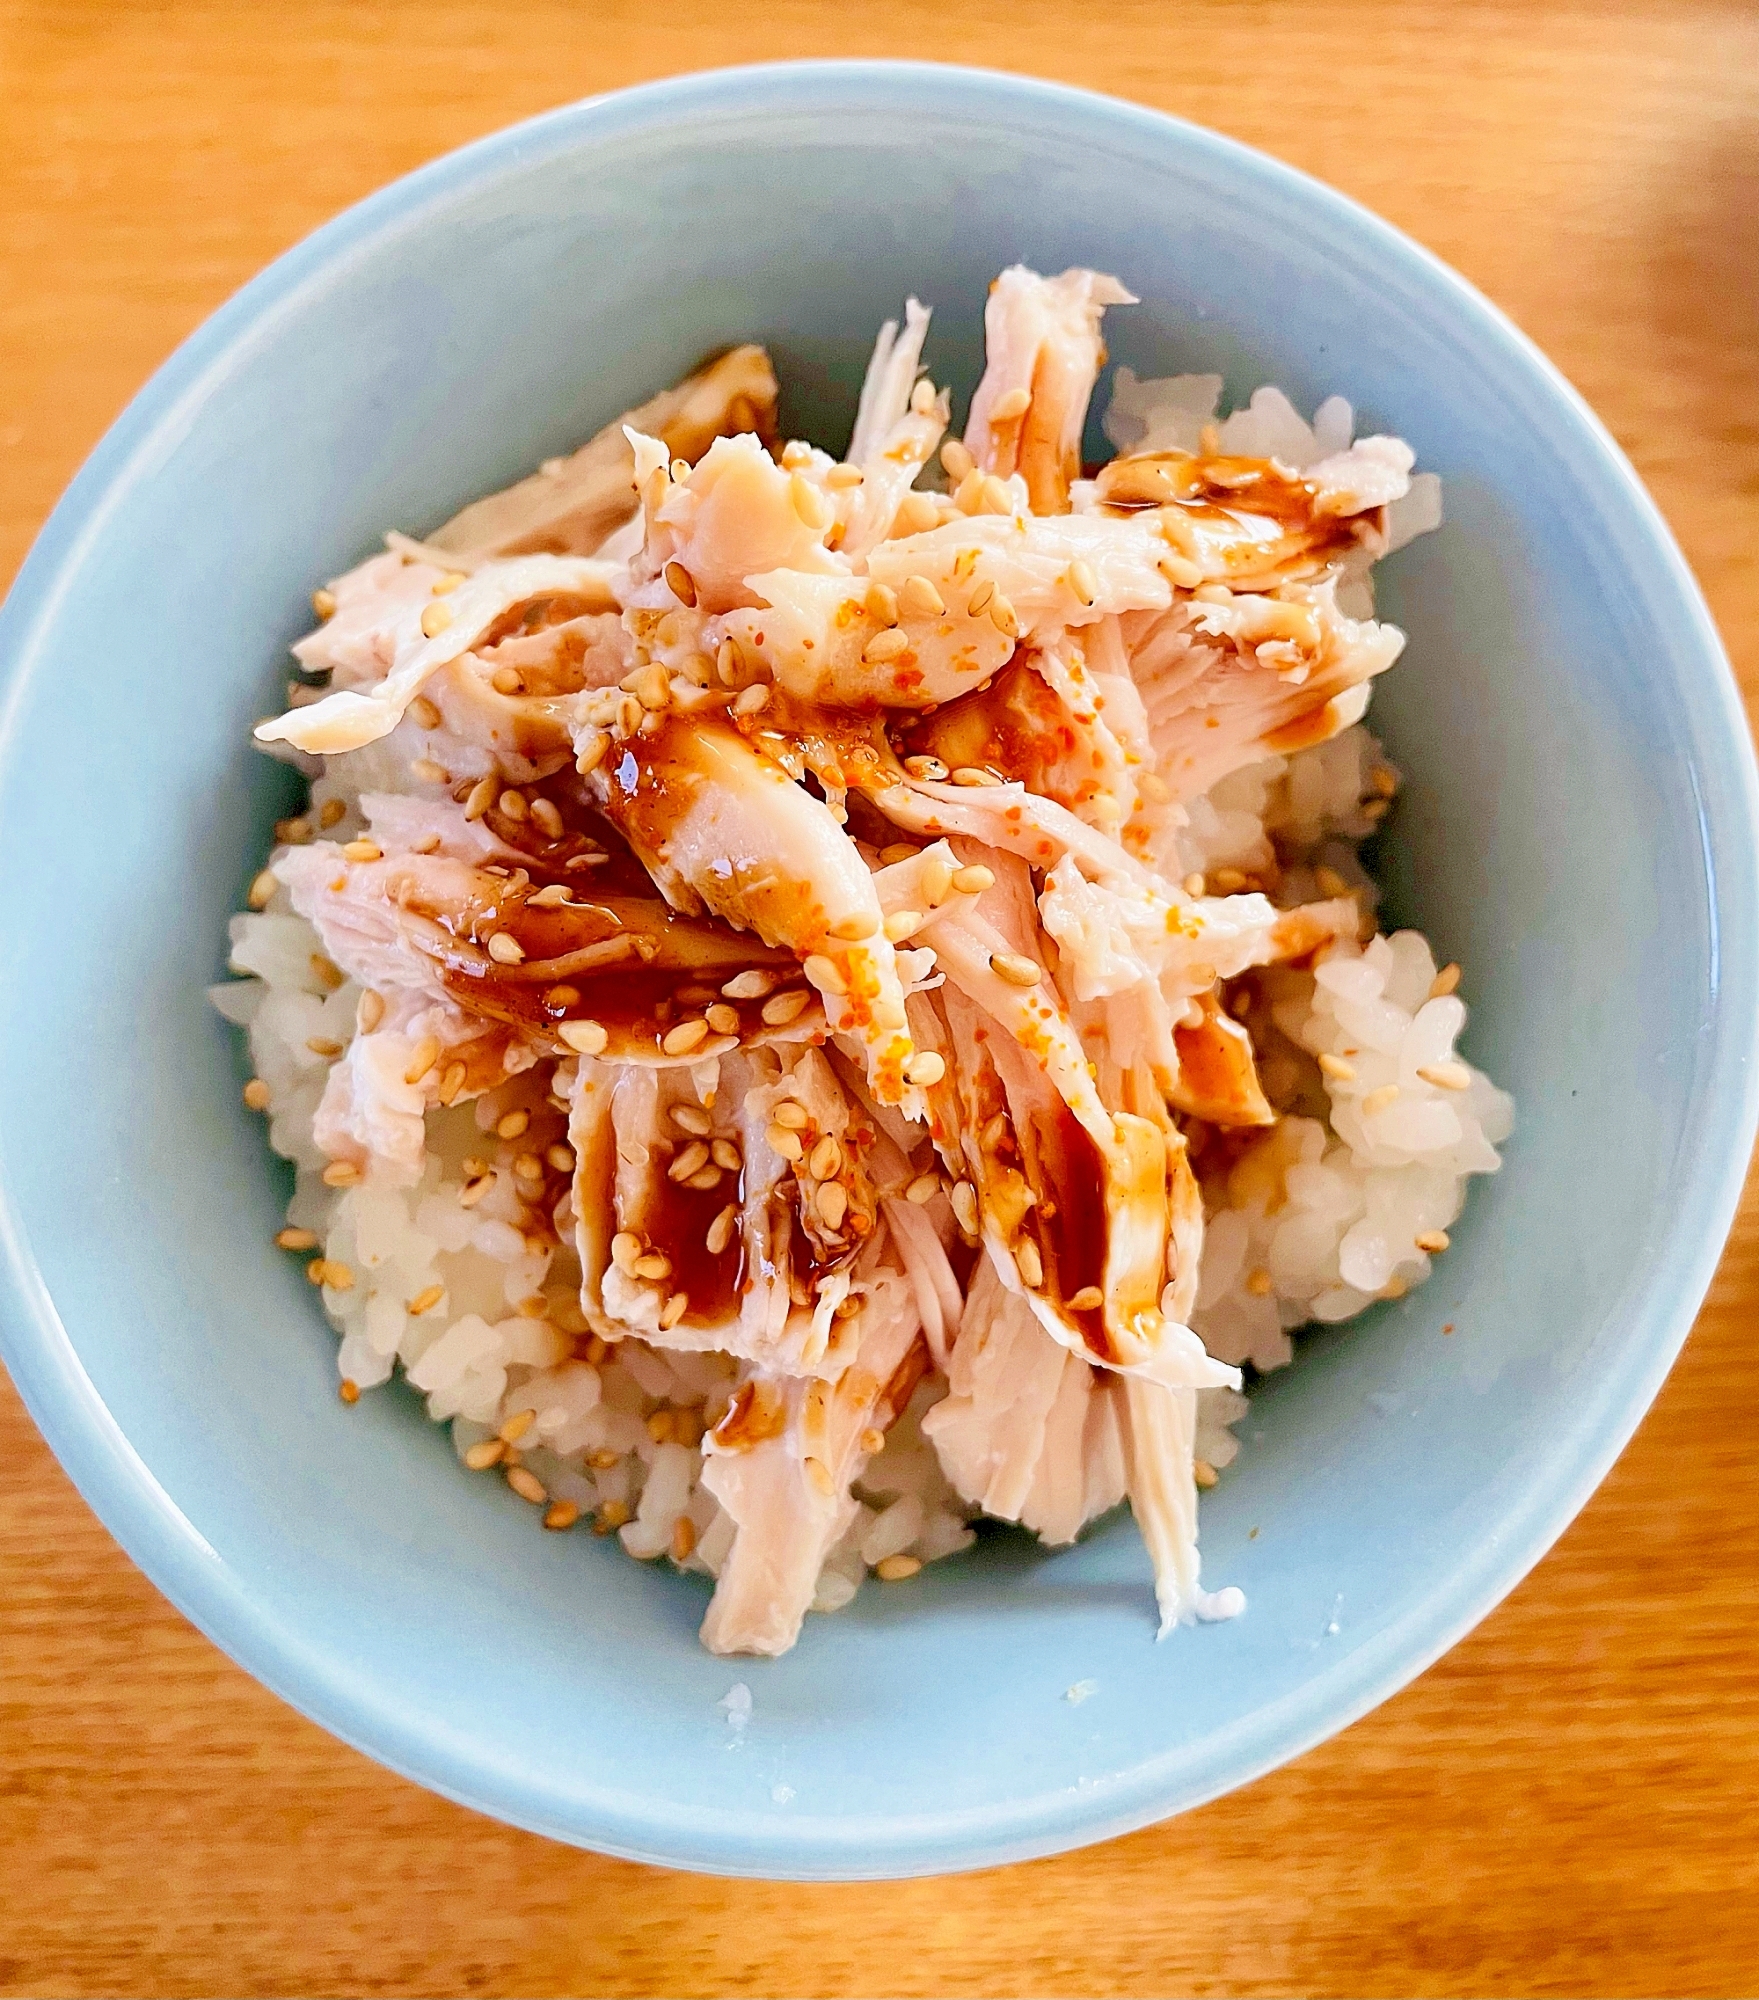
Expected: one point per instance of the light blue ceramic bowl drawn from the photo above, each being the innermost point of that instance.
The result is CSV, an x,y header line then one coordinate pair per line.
x,y
1579,830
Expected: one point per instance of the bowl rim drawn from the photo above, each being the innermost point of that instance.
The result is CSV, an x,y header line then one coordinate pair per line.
x,y
122,1491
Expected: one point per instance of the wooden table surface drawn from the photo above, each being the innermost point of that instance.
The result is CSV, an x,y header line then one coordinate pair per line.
x,y
1566,1803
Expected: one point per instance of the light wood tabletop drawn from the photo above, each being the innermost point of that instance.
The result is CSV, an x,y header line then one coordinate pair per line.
x,y
1567,1802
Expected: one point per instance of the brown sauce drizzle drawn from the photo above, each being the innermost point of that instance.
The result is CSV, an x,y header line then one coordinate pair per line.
x,y
1017,726
675,1220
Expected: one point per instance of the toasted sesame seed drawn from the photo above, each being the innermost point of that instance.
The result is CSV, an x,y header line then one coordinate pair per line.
x,y
965,1206
527,1485
507,680
674,1310
474,1189
625,1248
973,776
924,1188
791,1116
889,644
559,1158
1004,618
820,1476
956,460
296,1239
896,1569
707,1178
693,1119
825,973
749,700
1029,1263
683,1538
809,503
1375,810
720,1231
262,890
1227,881
434,620
680,582
1259,1282
517,1425
787,1143
691,1159
294,832
511,804
323,1045
901,923
586,1038
724,1020
918,596
982,597
1194,885
1380,1100
1204,1473
629,714
853,930
529,1167
482,796
505,949
423,713
782,1008
654,1267
613,1515
1446,1075
937,878
323,602
925,1068
548,816
445,585
602,1460
1015,969
256,1095
337,1277
1335,1066
750,986
314,1271
512,1125
1089,1299
591,752
348,1390
916,514
1384,781
342,1174
561,1514
489,1452
422,1059
881,604
425,1300
1013,405
1444,982
973,880
726,1155
825,1161
832,1204
679,1041
997,499
929,770
1434,1241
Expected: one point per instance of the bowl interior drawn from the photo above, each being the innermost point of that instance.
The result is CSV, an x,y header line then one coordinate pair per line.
x,y
1577,830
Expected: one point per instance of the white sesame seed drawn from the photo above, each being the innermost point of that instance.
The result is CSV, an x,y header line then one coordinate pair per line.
x,y
587,1038
434,620
825,973
973,880
679,1041
832,1205
505,949
1446,1075
782,1008
925,1068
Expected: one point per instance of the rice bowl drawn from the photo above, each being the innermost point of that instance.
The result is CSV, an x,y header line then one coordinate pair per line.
x,y
198,1420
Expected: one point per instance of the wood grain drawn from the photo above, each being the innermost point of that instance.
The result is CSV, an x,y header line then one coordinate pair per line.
x,y
1566,1804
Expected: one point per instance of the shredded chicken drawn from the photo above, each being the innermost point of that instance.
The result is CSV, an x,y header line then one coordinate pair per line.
x,y
813,828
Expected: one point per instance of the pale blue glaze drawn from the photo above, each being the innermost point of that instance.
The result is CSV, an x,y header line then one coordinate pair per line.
x,y
1579,829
